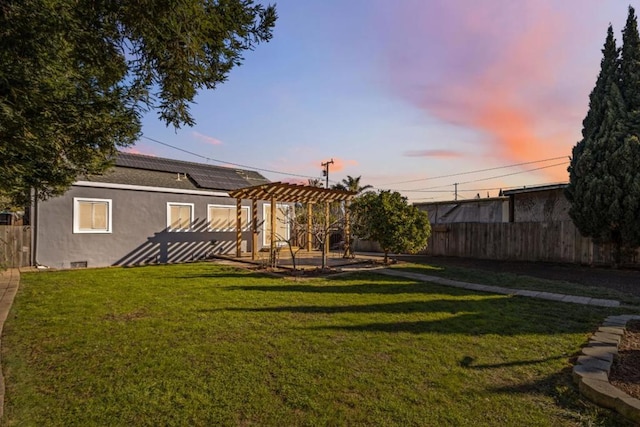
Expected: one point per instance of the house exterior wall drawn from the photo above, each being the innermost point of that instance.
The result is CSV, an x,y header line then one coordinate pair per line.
x,y
541,206
139,232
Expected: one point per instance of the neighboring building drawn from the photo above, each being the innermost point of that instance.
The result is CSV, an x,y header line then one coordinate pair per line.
x,y
544,203
527,204
494,209
145,210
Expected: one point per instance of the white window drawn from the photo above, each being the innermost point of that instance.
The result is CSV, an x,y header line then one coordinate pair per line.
x,y
223,217
91,215
282,224
179,216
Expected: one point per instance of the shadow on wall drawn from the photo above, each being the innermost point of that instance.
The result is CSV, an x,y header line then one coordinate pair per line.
x,y
179,246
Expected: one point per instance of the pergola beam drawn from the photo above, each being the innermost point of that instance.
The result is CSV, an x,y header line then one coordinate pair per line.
x,y
292,193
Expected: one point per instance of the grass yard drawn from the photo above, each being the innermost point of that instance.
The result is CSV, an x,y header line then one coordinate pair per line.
x,y
510,280
203,344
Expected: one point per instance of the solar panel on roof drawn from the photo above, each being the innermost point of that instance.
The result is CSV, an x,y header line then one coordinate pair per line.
x,y
205,176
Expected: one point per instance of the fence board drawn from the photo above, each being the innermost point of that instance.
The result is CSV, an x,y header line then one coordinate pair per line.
x,y
557,241
15,246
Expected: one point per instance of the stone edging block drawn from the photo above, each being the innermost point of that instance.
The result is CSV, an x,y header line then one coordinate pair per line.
x,y
591,372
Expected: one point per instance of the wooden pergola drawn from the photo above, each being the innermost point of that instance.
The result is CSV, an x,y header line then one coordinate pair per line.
x,y
286,193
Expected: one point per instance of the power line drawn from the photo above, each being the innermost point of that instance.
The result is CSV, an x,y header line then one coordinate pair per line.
x,y
476,190
424,190
492,177
516,173
477,171
226,162
434,189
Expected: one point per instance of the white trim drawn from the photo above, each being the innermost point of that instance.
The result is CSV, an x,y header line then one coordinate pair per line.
x,y
233,209
266,210
169,204
147,188
76,218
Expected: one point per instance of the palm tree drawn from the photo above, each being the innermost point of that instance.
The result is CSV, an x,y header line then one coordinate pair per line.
x,y
314,182
352,184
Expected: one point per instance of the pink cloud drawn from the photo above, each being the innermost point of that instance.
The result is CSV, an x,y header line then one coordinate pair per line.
x,y
339,164
502,69
206,138
227,165
297,181
134,150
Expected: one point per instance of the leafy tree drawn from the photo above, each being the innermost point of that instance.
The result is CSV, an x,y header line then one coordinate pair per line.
x,y
77,75
388,219
604,183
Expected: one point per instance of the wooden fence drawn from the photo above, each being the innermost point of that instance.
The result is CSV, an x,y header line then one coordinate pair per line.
x,y
15,246
558,241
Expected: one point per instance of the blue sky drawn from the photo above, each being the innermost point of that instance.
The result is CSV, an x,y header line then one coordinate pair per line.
x,y
411,95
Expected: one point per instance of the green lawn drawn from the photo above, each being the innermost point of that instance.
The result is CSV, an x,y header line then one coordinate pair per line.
x,y
510,280
202,344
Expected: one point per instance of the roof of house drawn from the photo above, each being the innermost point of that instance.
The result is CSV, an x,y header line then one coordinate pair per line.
x,y
535,188
482,200
138,169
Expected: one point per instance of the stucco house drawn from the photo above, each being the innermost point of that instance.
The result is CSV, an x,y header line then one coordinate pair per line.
x,y
147,210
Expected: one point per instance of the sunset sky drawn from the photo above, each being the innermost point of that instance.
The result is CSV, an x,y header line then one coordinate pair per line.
x,y
412,95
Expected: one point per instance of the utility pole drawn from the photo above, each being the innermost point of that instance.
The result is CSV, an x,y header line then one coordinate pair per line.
x,y
325,171
456,190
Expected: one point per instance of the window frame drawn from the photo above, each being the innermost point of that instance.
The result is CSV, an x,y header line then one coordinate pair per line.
x,y
76,216
233,209
266,210
191,219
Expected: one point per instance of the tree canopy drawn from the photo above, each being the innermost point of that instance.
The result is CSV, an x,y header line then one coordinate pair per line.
x,y
77,75
604,180
386,217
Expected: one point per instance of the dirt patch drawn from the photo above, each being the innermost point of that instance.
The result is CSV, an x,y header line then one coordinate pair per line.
x,y
625,371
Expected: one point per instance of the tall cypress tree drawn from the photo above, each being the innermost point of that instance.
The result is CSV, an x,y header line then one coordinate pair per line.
x,y
630,66
604,183
626,158
587,175
608,73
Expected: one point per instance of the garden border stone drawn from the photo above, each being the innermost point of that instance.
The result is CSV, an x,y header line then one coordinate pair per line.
x,y
592,368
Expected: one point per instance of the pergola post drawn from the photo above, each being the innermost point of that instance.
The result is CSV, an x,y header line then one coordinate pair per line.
x,y
309,235
347,229
325,249
238,228
254,229
274,226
